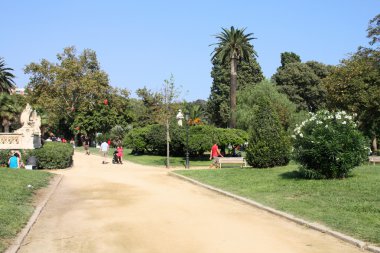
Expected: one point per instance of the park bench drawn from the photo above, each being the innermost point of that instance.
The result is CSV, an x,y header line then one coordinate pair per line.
x,y
374,159
231,160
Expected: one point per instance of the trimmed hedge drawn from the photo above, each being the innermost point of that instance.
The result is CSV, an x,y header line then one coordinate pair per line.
x,y
54,155
152,139
269,145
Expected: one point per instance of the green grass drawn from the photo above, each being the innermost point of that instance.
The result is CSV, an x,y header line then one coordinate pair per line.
x,y
351,205
16,200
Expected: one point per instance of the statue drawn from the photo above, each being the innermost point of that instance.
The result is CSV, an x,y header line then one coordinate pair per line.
x,y
26,137
25,116
30,121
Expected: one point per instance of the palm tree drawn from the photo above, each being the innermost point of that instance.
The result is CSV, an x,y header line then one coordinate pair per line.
x,y
9,110
234,45
6,81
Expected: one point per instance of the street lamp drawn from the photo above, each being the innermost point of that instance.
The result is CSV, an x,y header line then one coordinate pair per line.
x,y
179,118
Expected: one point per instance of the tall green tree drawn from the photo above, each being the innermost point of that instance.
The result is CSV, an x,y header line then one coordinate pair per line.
x,y
148,107
268,144
218,104
75,85
289,57
248,105
354,85
302,81
232,46
6,78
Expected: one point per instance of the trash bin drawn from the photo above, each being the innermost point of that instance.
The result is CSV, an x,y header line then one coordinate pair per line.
x,y
31,163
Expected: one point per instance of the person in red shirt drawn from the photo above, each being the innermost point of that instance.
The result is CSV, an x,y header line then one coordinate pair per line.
x,y
119,154
214,154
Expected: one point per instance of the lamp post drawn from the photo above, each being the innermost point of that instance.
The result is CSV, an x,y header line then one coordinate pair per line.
x,y
179,118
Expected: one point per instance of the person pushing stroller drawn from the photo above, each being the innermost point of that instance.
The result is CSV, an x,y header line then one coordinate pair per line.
x,y
118,155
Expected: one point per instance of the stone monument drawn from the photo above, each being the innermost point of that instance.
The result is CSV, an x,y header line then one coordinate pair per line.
x,y
26,137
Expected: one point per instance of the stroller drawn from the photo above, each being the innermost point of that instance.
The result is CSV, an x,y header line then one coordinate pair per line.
x,y
115,158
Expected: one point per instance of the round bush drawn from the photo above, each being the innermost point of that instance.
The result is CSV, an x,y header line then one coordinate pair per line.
x,y
54,155
328,145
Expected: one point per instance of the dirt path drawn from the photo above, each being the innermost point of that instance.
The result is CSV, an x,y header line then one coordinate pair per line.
x,y
134,208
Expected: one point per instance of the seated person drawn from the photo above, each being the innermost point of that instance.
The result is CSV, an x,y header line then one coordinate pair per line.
x,y
14,161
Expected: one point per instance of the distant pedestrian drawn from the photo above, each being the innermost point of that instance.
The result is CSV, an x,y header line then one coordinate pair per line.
x,y
86,143
119,154
214,154
104,149
72,142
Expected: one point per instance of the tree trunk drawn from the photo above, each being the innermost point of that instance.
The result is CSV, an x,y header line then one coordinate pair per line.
x,y
167,144
6,125
374,143
233,88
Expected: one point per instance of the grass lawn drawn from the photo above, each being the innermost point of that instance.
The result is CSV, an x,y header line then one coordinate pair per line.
x,y
16,200
351,205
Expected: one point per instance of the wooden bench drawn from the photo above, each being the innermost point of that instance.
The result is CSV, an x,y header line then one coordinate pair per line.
x,y
231,160
374,159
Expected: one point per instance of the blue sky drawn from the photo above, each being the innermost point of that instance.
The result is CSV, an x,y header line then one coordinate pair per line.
x,y
141,43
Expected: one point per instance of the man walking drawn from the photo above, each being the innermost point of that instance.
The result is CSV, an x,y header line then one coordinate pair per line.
x,y
214,154
104,149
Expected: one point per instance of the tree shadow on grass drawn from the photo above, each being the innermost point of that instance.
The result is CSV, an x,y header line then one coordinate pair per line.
x,y
295,174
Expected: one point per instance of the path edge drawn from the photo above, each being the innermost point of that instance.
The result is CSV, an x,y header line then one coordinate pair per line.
x,y
16,244
358,243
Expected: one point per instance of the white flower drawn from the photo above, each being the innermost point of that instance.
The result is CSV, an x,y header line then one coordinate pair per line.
x,y
319,122
344,122
293,136
326,126
301,135
338,116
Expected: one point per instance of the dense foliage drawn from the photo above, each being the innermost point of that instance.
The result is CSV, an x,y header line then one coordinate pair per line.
x,y
11,107
354,85
328,145
54,155
75,93
268,145
248,104
152,139
301,82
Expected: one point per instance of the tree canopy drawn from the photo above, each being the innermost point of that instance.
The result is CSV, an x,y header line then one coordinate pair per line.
x,y
73,90
302,81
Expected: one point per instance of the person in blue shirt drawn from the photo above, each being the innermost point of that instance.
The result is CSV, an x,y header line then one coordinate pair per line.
x,y
14,161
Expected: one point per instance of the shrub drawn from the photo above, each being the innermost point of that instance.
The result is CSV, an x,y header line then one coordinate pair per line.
x,y
136,140
4,157
268,144
152,139
54,155
328,145
117,135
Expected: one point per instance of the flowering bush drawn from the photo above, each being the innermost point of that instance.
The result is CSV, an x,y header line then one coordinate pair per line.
x,y
328,145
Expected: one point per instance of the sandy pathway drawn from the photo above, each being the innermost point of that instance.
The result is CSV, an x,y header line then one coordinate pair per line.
x,y
134,208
